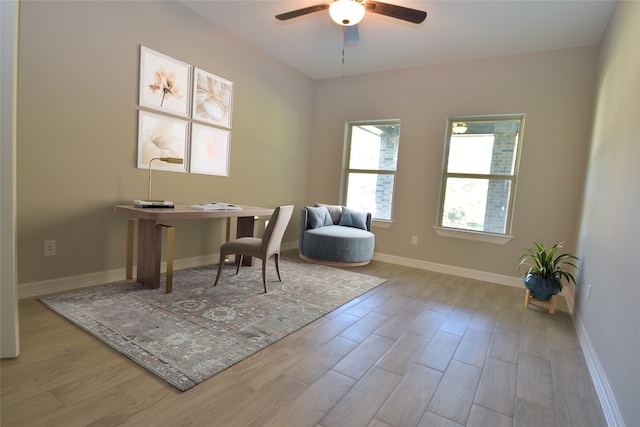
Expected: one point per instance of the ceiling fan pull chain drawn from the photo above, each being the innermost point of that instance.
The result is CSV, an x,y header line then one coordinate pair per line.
x,y
344,36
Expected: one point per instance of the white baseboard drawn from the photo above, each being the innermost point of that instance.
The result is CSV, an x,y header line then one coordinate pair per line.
x,y
52,286
466,272
63,284
607,399
452,270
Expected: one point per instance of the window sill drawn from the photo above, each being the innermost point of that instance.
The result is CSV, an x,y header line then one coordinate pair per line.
x,y
380,223
500,239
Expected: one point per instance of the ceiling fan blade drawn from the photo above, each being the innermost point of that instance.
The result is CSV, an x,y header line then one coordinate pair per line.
x,y
303,11
351,34
394,11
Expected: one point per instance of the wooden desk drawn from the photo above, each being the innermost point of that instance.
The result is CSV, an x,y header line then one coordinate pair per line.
x,y
150,236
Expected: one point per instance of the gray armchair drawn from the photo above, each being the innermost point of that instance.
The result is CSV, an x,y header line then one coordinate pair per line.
x,y
335,235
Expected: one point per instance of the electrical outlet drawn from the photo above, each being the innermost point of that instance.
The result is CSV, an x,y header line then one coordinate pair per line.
x,y
49,247
414,240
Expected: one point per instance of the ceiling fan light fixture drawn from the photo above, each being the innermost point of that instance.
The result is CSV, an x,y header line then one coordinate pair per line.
x,y
346,12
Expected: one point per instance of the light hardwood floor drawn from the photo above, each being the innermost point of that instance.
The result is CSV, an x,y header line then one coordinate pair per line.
x,y
423,349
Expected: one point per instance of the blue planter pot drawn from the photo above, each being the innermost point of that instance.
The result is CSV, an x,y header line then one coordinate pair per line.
x,y
542,288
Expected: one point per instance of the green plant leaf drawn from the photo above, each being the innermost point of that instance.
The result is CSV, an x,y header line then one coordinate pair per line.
x,y
544,262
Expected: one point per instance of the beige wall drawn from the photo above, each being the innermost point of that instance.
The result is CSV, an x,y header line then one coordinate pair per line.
x,y
610,231
77,130
555,90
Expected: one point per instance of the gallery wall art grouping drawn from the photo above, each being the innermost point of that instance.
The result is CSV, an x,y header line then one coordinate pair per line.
x,y
185,113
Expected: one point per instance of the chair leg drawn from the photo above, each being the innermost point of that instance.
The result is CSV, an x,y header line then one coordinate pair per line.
x,y
239,258
220,267
264,274
277,259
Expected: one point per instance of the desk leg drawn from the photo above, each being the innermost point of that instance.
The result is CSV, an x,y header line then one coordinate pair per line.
x,y
246,227
149,253
170,239
130,226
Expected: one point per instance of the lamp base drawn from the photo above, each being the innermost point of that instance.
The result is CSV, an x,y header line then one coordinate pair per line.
x,y
152,203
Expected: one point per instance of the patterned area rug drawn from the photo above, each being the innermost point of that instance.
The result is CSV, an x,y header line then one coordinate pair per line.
x,y
196,331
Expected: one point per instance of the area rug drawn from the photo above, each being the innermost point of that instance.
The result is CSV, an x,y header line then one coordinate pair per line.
x,y
197,331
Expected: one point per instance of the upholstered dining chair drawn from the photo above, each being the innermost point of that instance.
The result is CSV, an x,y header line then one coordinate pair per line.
x,y
263,248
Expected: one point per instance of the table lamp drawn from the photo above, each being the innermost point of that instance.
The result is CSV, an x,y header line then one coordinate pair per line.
x,y
175,160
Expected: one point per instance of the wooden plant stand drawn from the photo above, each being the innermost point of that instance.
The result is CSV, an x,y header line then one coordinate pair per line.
x,y
552,302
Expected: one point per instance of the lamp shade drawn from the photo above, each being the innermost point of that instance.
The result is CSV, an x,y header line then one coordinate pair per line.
x,y
346,12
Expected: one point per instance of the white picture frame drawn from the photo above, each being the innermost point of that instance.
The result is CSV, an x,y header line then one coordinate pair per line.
x,y
210,150
165,83
212,99
162,136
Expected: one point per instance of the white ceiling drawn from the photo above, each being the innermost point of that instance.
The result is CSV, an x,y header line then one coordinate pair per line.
x,y
453,31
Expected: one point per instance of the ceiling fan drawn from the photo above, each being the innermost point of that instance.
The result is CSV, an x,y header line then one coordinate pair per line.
x,y
350,12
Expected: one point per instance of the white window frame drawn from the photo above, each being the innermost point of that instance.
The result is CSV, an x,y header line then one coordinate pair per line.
x,y
347,170
484,236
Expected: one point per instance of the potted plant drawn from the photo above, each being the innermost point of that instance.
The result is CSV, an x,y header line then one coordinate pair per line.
x,y
546,269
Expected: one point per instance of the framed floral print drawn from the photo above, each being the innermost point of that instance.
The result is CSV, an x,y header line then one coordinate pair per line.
x,y
212,99
209,150
165,83
162,136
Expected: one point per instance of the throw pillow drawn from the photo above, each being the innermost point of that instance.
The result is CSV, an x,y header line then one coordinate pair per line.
x,y
318,216
354,218
334,210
